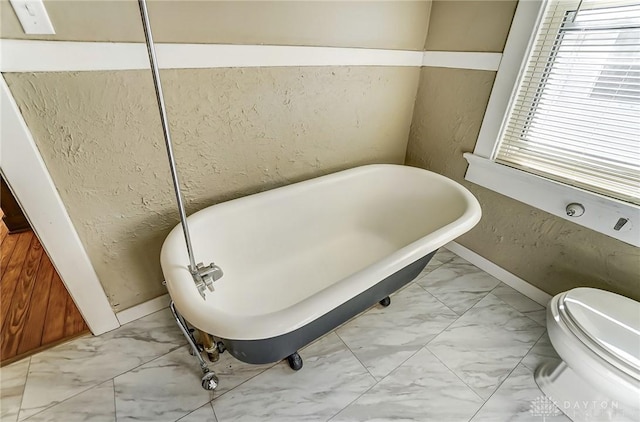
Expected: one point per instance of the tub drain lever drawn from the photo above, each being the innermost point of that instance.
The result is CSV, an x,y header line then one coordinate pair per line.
x,y
205,276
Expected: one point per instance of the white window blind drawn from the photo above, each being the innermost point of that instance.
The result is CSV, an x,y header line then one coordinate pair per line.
x,y
575,117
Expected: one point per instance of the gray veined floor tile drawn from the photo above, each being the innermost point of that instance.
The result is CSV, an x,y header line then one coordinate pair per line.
x,y
458,284
12,380
202,414
519,399
520,302
383,338
484,345
88,361
330,379
422,389
538,316
164,389
95,405
441,257
542,351
432,265
515,299
444,255
169,388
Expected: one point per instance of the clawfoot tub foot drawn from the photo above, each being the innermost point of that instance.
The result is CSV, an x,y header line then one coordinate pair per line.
x,y
385,302
295,361
209,378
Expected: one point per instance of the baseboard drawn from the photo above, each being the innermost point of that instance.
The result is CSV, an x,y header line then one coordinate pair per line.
x,y
500,273
143,309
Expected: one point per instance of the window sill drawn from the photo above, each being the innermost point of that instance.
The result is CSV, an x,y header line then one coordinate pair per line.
x,y
601,213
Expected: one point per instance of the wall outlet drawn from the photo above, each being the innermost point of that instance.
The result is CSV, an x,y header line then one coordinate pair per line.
x,y
33,16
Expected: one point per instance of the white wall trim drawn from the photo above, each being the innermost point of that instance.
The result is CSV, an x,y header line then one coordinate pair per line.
x,y
143,309
462,60
515,50
601,212
527,289
47,56
61,56
27,176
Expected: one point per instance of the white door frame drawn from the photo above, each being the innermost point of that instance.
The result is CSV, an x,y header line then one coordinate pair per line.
x,y
27,176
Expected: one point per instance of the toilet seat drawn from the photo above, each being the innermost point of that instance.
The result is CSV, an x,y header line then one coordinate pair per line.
x,y
608,324
597,337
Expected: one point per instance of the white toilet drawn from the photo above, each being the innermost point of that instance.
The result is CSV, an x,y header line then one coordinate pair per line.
x,y
597,335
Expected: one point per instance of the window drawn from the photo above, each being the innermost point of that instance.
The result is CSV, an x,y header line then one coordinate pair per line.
x,y
564,118
623,78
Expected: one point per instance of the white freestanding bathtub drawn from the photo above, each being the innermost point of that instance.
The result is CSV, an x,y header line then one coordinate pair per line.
x,y
302,259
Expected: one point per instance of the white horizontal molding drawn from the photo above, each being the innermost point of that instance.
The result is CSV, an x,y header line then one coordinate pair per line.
x,y
601,213
51,56
462,60
61,56
216,55
56,56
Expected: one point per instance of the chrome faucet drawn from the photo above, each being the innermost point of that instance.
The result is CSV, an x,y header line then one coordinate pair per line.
x,y
205,276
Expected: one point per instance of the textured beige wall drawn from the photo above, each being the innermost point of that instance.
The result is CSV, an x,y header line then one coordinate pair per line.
x,y
374,24
548,252
475,25
237,131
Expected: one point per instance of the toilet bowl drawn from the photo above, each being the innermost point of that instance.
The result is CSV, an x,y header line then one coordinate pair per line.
x,y
597,335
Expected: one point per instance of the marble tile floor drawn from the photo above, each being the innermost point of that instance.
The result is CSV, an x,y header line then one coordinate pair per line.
x,y
455,345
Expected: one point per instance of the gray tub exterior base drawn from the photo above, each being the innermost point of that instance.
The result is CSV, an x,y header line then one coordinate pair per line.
x,y
277,348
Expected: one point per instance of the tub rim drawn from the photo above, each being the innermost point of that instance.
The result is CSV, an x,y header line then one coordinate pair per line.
x,y
282,321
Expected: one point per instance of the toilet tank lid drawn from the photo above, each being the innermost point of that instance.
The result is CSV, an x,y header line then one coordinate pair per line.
x,y
612,321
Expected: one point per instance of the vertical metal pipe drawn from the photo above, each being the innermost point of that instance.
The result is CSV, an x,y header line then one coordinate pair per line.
x,y
190,339
165,128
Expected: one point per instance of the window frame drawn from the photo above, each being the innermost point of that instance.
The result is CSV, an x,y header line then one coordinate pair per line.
x,y
601,212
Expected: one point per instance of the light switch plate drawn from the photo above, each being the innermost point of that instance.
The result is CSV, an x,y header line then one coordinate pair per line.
x,y
33,16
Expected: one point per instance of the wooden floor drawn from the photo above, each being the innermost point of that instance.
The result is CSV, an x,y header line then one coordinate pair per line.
x,y
36,309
